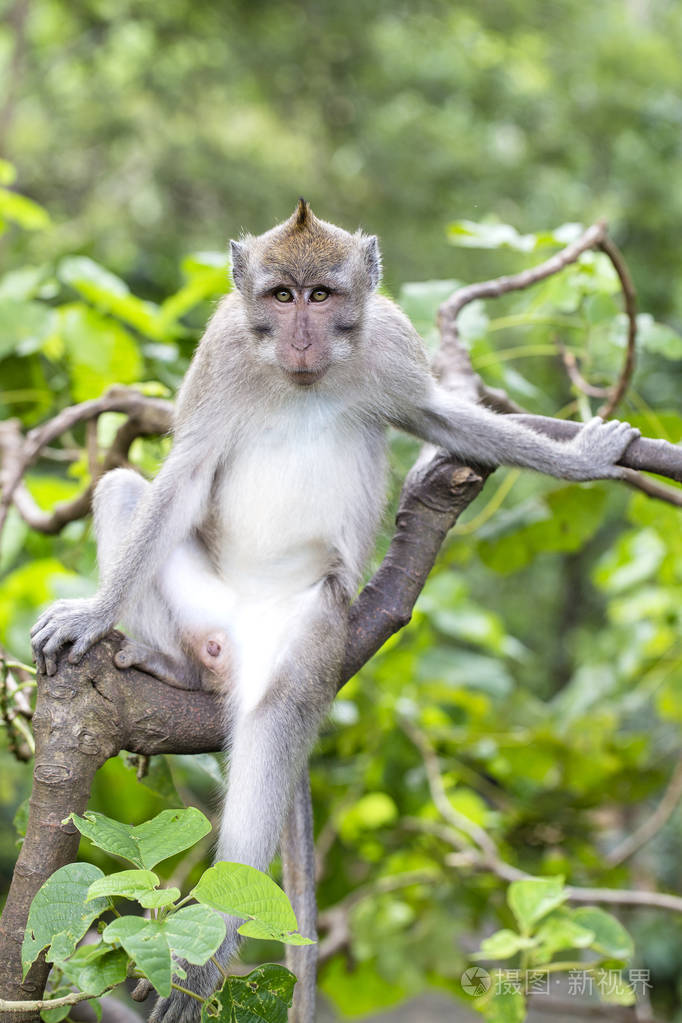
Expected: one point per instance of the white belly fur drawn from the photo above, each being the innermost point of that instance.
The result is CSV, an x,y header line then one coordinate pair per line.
x,y
293,501
290,505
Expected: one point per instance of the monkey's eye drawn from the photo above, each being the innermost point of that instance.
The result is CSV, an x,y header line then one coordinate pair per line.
x,y
319,294
283,295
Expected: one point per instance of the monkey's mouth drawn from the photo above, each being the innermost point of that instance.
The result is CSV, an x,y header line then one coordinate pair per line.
x,y
305,377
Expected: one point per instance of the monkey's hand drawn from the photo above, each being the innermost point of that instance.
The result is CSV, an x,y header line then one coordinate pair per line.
x,y
595,450
80,622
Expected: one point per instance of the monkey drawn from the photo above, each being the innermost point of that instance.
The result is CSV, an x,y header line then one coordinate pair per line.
x,y
235,568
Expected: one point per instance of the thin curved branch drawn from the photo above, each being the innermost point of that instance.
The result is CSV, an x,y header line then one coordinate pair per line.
x,y
653,489
653,824
575,376
452,364
484,854
620,387
152,416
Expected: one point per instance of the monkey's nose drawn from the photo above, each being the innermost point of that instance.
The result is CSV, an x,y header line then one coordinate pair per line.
x,y
300,344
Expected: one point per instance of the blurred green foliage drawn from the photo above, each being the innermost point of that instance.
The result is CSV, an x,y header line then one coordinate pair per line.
x,y
543,660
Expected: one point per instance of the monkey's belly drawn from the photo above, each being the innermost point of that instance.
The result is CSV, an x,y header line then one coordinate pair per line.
x,y
288,513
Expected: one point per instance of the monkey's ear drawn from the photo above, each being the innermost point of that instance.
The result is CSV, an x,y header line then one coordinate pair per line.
x,y
239,262
372,260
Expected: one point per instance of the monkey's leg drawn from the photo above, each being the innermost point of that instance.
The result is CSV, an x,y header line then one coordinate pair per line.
x,y
169,641
117,497
171,670
271,740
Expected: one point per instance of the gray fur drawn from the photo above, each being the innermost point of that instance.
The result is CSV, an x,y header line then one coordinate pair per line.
x,y
252,538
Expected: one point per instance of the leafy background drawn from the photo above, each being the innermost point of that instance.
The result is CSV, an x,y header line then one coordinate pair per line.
x,y
543,660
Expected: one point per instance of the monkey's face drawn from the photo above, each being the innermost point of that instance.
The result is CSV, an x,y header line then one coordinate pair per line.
x,y
310,328
305,284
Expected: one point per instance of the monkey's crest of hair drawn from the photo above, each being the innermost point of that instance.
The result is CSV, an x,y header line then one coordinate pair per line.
x,y
303,250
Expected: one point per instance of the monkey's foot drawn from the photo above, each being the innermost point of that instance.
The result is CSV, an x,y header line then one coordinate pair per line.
x,y
180,1008
167,669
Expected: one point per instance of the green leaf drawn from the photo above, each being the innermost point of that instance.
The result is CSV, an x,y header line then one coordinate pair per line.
x,y
147,844
374,810
146,945
610,937
194,932
613,989
23,325
266,932
469,234
100,351
8,172
93,968
158,777
658,338
110,294
206,284
532,899
243,891
564,521
558,932
126,884
22,211
358,992
159,898
23,283
262,996
633,559
503,944
59,914
502,1007
20,820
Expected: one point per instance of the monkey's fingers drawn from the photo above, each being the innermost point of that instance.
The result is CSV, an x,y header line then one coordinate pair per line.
x,y
49,642
55,614
83,644
38,657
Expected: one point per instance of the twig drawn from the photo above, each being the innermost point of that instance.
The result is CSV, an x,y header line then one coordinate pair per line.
x,y
146,416
485,855
151,415
454,818
654,823
335,919
452,364
621,385
48,1003
652,488
575,376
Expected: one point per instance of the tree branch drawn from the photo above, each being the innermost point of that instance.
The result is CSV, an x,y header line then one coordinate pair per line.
x,y
146,416
484,854
653,824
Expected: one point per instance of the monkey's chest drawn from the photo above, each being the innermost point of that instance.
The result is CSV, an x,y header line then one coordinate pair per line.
x,y
288,507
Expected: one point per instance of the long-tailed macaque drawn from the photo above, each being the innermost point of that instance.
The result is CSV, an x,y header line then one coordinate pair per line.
x,y
235,567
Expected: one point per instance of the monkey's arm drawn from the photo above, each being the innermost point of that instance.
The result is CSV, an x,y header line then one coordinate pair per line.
x,y
172,507
473,432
